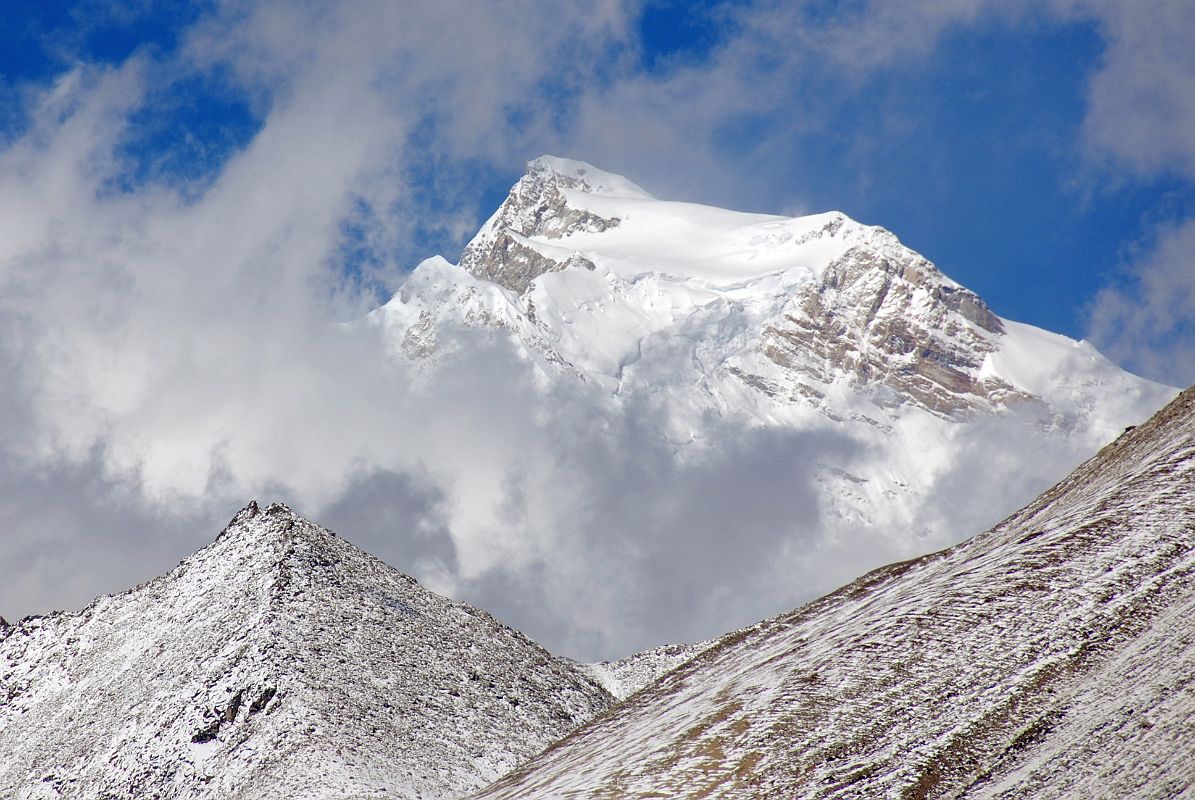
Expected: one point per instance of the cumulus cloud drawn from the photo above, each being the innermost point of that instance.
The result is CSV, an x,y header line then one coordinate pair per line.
x,y
179,339
137,309
642,542
641,539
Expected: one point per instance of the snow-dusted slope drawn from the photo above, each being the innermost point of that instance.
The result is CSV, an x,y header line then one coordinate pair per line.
x,y
278,662
625,676
1051,657
814,323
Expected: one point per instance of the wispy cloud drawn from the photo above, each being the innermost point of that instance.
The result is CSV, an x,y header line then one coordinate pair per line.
x,y
1147,320
1142,98
1138,128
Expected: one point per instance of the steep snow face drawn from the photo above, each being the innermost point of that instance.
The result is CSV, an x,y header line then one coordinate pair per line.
x,y
814,323
1051,657
278,662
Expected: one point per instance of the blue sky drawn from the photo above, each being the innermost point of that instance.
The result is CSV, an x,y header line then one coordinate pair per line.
x,y
191,192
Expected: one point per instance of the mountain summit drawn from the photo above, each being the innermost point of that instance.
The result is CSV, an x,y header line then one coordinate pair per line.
x,y
587,266
538,207
818,324
278,662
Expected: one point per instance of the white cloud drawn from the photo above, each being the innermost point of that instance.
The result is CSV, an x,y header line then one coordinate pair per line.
x,y
1139,127
179,345
137,310
1147,321
1141,102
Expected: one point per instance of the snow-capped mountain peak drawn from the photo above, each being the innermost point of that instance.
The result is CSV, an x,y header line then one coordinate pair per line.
x,y
714,322
591,273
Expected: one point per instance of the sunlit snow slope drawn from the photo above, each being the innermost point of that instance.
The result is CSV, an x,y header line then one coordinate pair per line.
x,y
815,323
278,662
1051,657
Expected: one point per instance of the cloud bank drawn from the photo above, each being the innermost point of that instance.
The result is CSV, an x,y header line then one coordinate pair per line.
x,y
171,341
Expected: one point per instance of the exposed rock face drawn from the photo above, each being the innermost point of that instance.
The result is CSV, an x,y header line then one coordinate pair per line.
x,y
1051,657
508,261
883,315
278,662
536,206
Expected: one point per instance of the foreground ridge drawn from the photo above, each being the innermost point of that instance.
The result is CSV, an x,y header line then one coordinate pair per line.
x,y
278,662
1050,657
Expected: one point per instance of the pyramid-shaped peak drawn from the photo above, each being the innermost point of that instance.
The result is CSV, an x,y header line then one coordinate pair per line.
x,y
274,522
276,511
279,661
572,174
260,543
